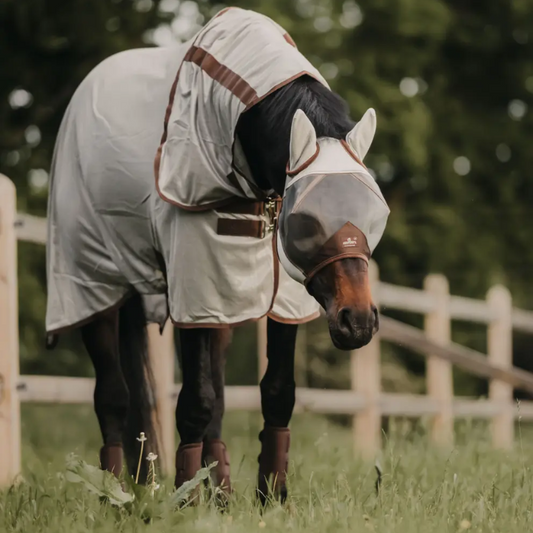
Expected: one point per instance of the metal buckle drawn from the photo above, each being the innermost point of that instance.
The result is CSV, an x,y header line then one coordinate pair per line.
x,y
270,210
272,213
264,229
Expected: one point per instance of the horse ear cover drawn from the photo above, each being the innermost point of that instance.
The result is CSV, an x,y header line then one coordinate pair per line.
x,y
303,140
362,135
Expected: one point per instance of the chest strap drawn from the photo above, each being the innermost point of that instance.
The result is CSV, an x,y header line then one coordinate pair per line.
x,y
248,228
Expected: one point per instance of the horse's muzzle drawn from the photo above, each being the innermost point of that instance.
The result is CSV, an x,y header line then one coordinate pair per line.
x,y
352,329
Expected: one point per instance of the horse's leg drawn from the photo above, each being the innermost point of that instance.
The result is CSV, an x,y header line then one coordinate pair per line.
x,y
111,397
214,448
277,403
196,402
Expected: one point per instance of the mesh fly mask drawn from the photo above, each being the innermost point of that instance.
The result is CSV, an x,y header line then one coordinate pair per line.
x,y
332,207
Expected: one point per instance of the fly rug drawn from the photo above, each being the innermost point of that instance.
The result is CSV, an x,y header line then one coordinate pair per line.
x,y
256,164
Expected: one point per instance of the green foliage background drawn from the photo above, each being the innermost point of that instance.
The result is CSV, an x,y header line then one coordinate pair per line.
x,y
468,65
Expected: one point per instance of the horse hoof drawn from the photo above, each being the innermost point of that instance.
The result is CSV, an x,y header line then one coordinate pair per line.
x,y
188,462
215,450
273,464
112,458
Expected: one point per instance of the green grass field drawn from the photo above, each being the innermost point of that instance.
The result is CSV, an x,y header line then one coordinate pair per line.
x,y
471,488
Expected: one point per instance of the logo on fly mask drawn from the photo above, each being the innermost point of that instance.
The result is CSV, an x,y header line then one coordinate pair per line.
x,y
350,243
349,240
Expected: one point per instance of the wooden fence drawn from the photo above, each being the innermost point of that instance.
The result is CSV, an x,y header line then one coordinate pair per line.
x,y
365,401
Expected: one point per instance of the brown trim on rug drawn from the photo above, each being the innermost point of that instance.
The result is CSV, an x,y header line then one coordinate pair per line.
x,y
330,260
93,317
282,84
275,257
198,325
295,321
304,165
168,112
223,11
289,39
204,207
238,86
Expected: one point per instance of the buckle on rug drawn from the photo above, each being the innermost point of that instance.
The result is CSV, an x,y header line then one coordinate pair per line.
x,y
265,228
271,210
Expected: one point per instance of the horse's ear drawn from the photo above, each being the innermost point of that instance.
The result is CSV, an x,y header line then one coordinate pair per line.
x,y
303,140
362,135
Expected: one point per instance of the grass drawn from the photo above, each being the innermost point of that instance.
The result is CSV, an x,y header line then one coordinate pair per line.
x,y
471,488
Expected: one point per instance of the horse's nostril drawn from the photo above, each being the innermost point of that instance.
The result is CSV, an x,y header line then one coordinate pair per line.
x,y
348,320
375,317
345,320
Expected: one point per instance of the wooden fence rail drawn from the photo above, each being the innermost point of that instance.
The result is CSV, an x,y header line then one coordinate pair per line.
x,y
365,401
67,390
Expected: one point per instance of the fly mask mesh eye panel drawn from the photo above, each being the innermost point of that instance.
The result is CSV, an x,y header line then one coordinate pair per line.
x,y
326,217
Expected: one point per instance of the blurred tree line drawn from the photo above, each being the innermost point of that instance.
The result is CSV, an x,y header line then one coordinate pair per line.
x,y
452,83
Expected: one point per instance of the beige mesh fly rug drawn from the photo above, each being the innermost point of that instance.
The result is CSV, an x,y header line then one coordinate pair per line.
x,y
174,237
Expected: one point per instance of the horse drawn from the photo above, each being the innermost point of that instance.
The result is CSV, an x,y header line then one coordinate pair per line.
x,y
292,140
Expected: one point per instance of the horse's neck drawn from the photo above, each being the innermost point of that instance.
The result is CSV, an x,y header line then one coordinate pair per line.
x,y
266,152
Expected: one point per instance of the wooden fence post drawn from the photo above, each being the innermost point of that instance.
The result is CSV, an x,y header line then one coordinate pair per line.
x,y
500,352
9,337
162,357
262,360
366,379
439,373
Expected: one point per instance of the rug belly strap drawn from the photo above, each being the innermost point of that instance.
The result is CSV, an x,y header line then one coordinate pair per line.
x,y
241,228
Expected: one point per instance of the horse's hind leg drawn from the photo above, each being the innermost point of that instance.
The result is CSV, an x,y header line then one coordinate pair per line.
x,y
111,397
214,448
277,403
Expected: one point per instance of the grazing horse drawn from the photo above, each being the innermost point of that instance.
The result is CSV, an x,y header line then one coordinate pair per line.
x,y
118,257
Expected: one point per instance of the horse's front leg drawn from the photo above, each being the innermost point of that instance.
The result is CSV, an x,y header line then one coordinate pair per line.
x,y
196,403
214,448
277,403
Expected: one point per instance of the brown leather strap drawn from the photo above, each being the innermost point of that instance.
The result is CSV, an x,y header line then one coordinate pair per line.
x,y
188,462
215,450
243,207
273,462
111,458
241,228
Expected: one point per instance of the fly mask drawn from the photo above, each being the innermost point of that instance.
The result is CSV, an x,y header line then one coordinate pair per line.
x,y
332,206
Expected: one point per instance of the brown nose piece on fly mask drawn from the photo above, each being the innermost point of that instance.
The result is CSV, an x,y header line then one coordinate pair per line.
x,y
348,241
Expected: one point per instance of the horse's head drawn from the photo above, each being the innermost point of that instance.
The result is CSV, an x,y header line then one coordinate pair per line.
x,y
333,217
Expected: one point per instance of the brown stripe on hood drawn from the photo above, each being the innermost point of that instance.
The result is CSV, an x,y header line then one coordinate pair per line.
x,y
239,87
289,39
157,160
222,74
